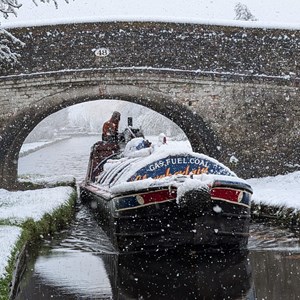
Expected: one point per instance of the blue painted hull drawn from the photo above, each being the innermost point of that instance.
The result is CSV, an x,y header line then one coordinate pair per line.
x,y
168,224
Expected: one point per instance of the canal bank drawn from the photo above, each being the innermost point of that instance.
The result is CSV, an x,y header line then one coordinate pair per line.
x,y
276,200
26,217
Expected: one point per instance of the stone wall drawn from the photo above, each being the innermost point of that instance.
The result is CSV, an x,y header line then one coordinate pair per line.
x,y
258,124
214,49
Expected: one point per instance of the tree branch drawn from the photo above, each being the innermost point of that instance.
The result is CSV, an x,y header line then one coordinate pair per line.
x,y
8,7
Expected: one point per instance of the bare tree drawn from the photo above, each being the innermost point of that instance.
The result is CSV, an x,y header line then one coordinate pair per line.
x,y
242,12
9,7
7,40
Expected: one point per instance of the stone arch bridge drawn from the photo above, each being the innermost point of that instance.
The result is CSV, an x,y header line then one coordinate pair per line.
x,y
234,91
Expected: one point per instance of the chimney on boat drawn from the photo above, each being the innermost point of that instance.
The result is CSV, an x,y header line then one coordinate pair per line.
x,y
129,121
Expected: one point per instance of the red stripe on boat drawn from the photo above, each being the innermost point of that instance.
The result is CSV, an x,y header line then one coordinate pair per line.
x,y
226,194
158,196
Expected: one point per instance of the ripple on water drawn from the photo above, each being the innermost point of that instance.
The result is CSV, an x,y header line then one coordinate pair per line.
x,y
84,235
272,238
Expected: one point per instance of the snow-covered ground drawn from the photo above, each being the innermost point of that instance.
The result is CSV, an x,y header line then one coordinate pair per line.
x,y
16,207
8,238
34,146
281,190
29,147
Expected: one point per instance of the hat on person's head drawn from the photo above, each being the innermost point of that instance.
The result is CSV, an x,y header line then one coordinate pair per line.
x,y
116,115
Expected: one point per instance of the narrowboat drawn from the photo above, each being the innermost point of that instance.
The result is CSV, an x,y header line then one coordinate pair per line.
x,y
152,196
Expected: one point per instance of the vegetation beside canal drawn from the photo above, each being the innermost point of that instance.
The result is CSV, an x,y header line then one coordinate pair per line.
x,y
27,183
276,215
32,233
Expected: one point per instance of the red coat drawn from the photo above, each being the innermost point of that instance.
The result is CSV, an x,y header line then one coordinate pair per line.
x,y
110,130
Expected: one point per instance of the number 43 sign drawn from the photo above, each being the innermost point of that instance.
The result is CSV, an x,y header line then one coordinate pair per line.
x,y
102,52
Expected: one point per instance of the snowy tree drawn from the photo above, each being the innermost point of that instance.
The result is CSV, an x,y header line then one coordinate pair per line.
x,y
8,7
151,122
7,40
49,127
243,13
90,116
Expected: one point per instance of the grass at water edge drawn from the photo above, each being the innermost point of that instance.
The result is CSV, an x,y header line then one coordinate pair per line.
x,y
32,233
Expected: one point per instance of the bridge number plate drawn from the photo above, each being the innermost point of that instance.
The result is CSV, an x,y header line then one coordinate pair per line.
x,y
102,52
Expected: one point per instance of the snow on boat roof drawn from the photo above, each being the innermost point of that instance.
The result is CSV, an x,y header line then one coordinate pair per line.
x,y
163,152
161,161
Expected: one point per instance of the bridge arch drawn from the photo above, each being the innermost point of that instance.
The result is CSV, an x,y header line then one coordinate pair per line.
x,y
201,136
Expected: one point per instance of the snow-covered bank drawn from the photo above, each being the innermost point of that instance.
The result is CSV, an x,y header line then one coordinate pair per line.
x,y
9,235
49,181
20,206
28,148
281,190
16,207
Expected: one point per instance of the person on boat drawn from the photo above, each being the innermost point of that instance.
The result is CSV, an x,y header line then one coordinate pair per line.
x,y
105,148
110,128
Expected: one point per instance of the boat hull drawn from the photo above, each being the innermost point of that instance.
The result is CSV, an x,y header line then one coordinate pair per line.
x,y
169,224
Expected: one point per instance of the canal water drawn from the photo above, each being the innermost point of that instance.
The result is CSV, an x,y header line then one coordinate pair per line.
x,y
81,263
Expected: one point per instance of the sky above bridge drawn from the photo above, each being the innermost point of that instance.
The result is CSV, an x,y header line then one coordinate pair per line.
x,y
269,13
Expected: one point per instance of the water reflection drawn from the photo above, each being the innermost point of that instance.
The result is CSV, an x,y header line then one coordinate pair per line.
x,y
77,274
276,274
264,237
68,266
65,157
182,275
82,264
